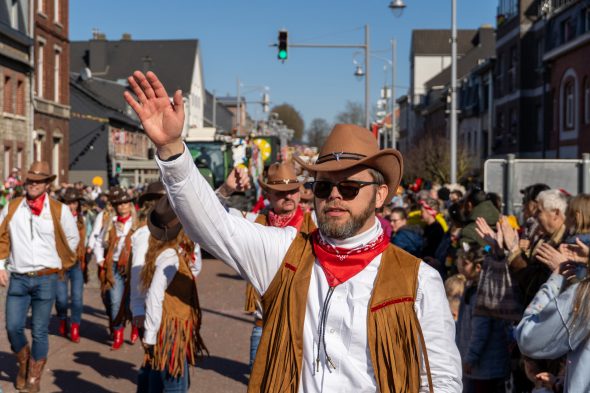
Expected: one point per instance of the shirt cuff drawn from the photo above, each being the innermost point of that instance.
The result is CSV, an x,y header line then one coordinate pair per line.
x,y
2,264
150,337
176,170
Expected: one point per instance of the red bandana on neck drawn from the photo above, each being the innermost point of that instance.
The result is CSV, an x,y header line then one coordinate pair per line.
x,y
123,220
36,205
294,219
341,264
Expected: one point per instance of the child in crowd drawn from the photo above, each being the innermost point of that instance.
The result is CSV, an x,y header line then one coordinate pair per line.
x,y
482,341
454,288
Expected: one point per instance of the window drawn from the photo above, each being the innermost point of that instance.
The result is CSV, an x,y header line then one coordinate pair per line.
x,y
55,157
540,124
7,94
587,101
41,6
567,30
40,68
20,97
14,14
540,52
56,74
512,69
56,11
569,105
499,74
587,19
19,158
6,171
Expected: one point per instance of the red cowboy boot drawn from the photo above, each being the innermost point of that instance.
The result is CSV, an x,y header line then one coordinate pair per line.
x,y
118,339
63,324
134,334
75,332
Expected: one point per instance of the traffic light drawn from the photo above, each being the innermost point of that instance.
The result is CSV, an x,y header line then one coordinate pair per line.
x,y
118,168
283,45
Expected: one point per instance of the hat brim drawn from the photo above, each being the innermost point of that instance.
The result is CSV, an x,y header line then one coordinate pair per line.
x,y
77,199
35,177
278,187
150,196
163,234
388,162
121,200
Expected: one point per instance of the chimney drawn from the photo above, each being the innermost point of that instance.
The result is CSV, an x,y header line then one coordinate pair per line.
x,y
97,52
126,37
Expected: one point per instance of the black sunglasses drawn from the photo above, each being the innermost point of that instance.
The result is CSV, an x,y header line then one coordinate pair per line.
x,y
349,189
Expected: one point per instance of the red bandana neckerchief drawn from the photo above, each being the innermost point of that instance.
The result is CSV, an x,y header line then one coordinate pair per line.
x,y
36,205
123,220
341,264
294,219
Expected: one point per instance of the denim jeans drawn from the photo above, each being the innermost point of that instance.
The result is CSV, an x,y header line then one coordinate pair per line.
x,y
161,381
39,294
254,341
116,294
76,280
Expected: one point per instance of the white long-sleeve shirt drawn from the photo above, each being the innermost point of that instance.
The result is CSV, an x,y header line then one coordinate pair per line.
x,y
32,238
121,231
95,233
257,252
139,247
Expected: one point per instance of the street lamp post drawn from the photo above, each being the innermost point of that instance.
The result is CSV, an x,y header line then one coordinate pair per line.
x,y
397,6
393,67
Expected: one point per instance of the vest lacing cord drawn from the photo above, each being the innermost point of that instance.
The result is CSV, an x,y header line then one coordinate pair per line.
x,y
322,334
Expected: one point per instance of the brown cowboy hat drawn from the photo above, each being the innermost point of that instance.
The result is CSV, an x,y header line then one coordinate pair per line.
x,y
162,222
39,171
119,195
280,177
72,194
349,146
154,191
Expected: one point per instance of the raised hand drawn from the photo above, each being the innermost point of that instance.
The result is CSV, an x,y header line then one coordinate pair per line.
x,y
485,232
578,252
162,120
550,256
238,180
510,235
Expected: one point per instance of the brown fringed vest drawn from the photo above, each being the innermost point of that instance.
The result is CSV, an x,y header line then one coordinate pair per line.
x,y
106,276
179,337
251,295
81,250
67,255
394,335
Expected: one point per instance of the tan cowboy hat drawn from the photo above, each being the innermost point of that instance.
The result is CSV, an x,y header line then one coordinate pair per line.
x,y
39,171
162,222
71,195
119,195
280,177
154,191
349,146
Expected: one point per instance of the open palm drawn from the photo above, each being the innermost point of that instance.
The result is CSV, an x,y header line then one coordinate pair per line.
x,y
162,120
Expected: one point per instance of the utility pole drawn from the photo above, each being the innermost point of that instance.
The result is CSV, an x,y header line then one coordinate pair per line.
x,y
238,118
393,70
454,92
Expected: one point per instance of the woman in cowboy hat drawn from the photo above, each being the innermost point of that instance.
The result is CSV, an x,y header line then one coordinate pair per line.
x,y
344,309
74,276
173,315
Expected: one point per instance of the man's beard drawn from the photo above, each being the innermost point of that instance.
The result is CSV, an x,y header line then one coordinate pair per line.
x,y
350,228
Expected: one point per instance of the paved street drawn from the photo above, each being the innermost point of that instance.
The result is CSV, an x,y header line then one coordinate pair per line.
x,y
90,366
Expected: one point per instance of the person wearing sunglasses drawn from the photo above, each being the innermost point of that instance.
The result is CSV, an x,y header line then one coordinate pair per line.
x,y
344,311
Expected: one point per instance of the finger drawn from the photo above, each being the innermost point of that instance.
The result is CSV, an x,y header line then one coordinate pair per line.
x,y
133,104
136,89
156,85
145,85
178,103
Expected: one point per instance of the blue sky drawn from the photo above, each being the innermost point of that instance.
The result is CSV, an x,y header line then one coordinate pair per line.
x,y
235,37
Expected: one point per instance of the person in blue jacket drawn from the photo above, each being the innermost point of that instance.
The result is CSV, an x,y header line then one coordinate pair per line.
x,y
404,236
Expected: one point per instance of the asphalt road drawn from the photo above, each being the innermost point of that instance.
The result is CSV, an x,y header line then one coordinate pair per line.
x,y
91,366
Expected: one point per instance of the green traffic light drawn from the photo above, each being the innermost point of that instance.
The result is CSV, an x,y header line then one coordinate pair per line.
x,y
282,54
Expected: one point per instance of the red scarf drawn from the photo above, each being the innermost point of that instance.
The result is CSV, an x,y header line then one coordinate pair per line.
x,y
341,264
36,205
123,220
294,219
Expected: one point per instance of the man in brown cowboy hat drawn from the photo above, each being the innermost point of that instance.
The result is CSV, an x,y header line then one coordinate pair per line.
x,y
73,198
112,252
37,238
344,309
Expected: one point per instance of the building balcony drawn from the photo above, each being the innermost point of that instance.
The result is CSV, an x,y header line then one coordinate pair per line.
x,y
548,8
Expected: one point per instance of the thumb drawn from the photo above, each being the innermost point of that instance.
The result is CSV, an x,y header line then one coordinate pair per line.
x,y
178,103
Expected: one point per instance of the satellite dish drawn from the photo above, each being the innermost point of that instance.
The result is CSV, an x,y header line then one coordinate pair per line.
x,y
85,74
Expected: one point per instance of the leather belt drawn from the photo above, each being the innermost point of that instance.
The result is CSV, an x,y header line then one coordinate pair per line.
x,y
40,273
258,322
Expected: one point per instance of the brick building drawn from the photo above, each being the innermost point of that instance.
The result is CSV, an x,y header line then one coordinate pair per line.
x,y
15,73
51,85
566,57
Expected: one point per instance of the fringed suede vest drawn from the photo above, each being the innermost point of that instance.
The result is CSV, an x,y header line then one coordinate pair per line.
x,y
106,275
81,250
394,335
179,337
252,297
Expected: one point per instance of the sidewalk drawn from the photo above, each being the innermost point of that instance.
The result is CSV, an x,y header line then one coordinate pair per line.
x,y
91,366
